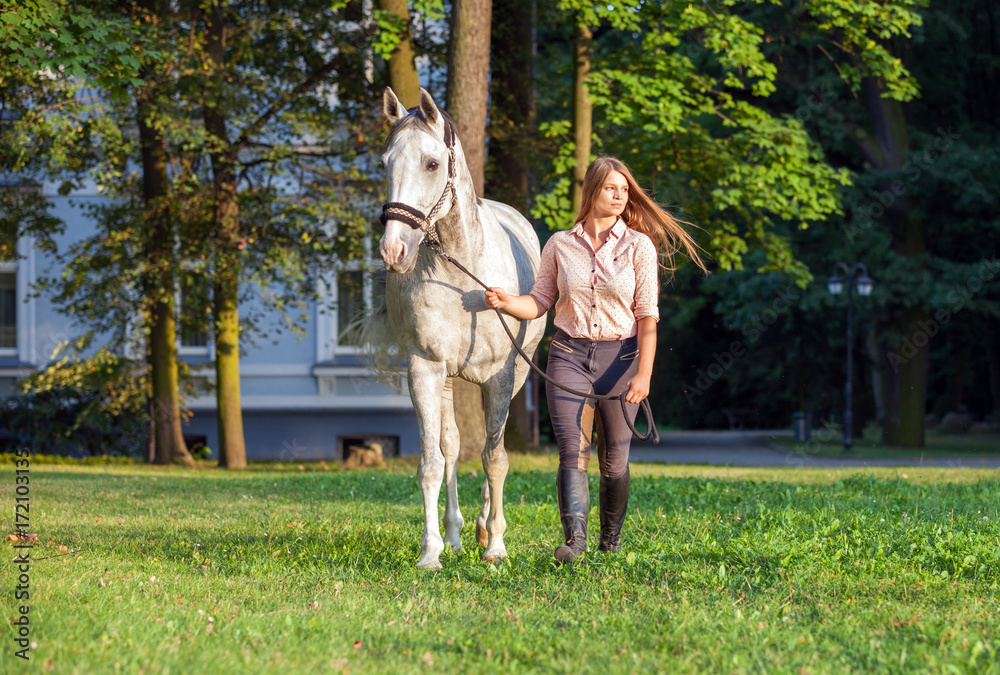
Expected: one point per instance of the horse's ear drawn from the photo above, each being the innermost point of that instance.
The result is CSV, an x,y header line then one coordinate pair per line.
x,y
428,108
391,107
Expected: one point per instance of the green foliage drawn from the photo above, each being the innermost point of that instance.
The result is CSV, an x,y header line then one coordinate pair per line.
x,y
82,406
89,42
761,571
680,93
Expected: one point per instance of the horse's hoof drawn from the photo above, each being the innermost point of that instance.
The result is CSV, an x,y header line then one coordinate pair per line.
x,y
429,564
482,537
454,540
494,559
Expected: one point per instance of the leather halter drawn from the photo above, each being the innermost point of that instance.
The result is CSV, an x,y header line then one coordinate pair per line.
x,y
413,216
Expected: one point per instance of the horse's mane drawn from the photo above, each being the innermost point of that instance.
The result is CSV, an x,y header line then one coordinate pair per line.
x,y
415,118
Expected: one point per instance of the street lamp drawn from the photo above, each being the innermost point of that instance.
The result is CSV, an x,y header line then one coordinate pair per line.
x,y
835,284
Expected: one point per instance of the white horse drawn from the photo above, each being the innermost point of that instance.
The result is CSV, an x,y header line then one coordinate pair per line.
x,y
438,316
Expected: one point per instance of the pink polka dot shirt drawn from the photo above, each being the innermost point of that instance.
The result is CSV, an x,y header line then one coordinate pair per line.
x,y
602,294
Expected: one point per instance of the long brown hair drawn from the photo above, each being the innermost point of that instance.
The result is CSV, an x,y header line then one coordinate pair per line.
x,y
641,213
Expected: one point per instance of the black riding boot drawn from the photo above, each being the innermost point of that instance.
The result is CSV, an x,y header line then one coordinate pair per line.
x,y
613,496
573,494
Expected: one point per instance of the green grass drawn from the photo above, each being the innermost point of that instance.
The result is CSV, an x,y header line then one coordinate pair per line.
x,y
723,570
938,445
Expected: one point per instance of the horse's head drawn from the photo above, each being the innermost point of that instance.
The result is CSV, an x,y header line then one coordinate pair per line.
x,y
416,166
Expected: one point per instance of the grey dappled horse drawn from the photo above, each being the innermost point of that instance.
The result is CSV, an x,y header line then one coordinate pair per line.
x,y
438,316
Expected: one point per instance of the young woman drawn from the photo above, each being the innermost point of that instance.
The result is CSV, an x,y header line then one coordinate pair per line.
x,y
605,272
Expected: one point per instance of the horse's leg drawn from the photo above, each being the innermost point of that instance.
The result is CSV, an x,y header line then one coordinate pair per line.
x,y
427,379
450,446
482,536
498,394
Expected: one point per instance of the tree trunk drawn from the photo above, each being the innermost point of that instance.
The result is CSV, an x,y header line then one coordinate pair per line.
x,y
468,80
232,450
993,361
906,386
468,77
402,69
512,102
877,366
512,132
957,377
905,374
583,53
167,437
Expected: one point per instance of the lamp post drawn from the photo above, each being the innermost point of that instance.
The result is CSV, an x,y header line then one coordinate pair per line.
x,y
836,285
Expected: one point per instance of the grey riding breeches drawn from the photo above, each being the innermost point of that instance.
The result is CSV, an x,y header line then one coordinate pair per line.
x,y
598,367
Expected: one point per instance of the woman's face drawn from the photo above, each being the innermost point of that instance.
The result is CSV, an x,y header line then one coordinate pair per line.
x,y
612,197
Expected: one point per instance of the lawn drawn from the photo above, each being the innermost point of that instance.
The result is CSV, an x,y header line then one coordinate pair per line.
x,y
311,569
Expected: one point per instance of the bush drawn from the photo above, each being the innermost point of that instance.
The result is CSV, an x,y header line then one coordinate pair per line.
x,y
81,407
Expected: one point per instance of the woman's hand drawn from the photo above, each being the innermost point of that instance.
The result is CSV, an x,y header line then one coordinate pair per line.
x,y
496,297
638,388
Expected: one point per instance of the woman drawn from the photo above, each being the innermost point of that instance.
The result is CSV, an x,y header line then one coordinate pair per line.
x,y
605,272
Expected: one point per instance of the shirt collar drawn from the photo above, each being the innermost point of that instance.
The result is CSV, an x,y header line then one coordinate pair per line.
x,y
617,230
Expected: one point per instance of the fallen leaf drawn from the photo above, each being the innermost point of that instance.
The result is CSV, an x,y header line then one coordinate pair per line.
x,y
357,644
427,658
63,548
13,537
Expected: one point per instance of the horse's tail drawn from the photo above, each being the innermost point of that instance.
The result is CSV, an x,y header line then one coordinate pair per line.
x,y
372,330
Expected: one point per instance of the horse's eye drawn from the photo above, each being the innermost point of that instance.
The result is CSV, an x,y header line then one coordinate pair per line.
x,y
432,166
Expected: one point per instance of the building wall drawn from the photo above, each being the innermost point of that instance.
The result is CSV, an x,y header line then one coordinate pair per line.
x,y
311,435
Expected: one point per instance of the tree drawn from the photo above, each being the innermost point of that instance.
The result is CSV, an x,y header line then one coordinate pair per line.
x,y
251,221
78,48
512,134
468,77
280,100
583,109
159,281
394,24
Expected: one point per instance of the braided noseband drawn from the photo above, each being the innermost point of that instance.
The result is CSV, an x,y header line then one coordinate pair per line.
x,y
414,217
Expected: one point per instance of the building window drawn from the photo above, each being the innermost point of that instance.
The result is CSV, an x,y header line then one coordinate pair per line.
x,y
350,304
8,311
194,317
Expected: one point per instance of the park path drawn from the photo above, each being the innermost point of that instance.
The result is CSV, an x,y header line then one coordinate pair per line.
x,y
751,448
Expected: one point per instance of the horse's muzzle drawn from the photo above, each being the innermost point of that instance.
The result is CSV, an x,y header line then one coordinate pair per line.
x,y
397,255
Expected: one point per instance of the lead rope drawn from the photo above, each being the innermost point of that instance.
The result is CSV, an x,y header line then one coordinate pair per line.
x,y
651,432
